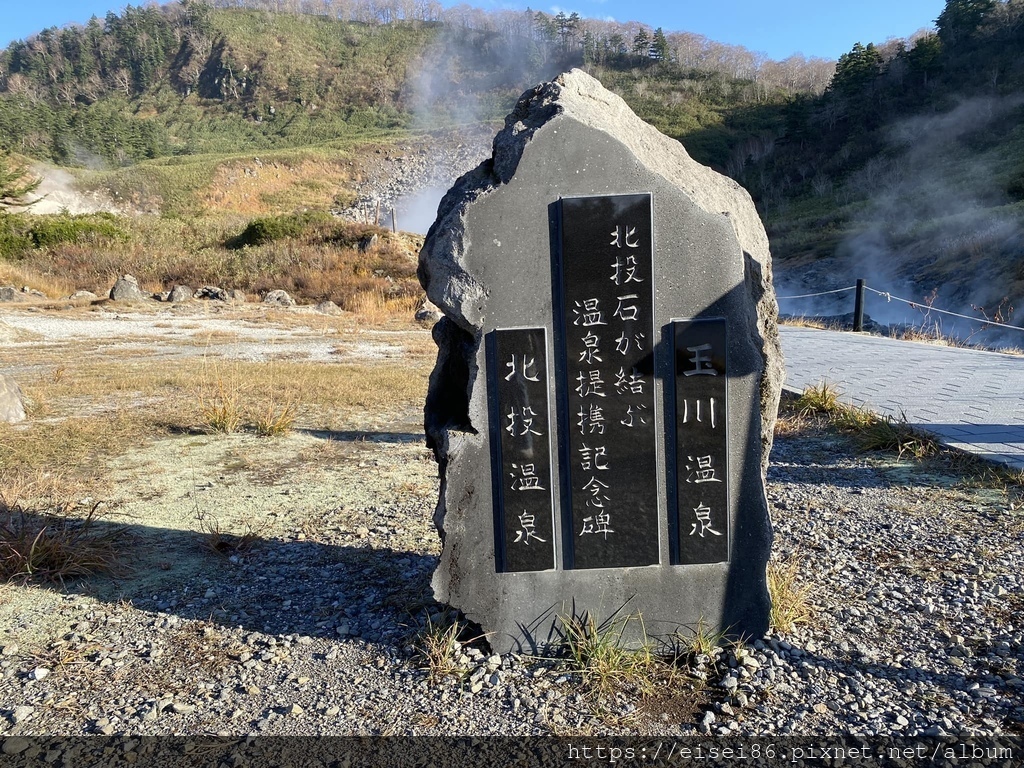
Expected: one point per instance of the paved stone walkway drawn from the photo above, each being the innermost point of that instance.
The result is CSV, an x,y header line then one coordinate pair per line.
x,y
969,399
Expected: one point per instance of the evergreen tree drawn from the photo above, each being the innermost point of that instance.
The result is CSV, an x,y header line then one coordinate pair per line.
x,y
642,44
15,180
659,45
856,70
961,19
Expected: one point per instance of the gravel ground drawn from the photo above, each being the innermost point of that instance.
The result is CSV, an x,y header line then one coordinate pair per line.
x,y
916,588
917,595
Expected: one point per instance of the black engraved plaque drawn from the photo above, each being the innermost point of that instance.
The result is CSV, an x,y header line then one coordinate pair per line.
x,y
524,537
606,305
701,441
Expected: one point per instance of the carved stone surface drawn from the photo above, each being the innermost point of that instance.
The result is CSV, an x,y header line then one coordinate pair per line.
x,y
491,262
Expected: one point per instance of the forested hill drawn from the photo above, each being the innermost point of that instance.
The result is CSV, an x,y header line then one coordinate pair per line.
x,y
906,167
199,77
908,170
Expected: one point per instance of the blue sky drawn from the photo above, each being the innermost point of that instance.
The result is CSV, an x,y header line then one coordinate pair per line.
x,y
779,28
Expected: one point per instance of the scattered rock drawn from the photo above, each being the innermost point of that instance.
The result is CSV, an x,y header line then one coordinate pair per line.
x,y
9,293
428,312
237,296
83,296
328,308
367,243
12,411
279,298
211,292
127,289
180,293
15,745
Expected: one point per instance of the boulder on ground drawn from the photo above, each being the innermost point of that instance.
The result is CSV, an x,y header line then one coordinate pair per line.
x,y
12,406
83,296
127,289
180,293
368,242
328,308
279,298
211,292
428,312
237,296
9,293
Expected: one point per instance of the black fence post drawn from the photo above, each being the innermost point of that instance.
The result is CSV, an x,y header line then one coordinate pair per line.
x,y
858,308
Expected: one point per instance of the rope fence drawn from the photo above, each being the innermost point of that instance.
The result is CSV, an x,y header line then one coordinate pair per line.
x,y
889,297
822,293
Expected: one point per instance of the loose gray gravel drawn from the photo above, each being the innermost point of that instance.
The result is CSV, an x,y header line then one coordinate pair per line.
x,y
917,595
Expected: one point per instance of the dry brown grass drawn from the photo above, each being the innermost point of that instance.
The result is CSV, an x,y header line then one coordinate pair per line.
x,y
872,431
790,597
129,398
377,307
810,322
52,285
243,186
325,262
48,532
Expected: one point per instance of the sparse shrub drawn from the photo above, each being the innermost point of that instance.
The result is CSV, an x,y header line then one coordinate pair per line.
x,y
14,237
884,433
274,420
605,663
700,640
872,431
48,231
271,228
819,399
221,397
221,541
438,647
790,599
41,538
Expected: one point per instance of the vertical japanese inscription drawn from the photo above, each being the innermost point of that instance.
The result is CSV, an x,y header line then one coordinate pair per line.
x,y
701,441
523,515
607,332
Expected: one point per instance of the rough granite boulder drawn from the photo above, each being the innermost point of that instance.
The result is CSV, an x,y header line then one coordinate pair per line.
x,y
211,293
180,293
12,406
428,312
328,307
127,289
279,298
486,264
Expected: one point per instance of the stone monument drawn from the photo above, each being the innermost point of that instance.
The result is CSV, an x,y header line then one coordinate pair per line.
x,y
607,379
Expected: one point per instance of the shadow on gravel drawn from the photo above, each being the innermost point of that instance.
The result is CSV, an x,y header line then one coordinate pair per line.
x,y
363,436
977,433
859,671
791,466
364,589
